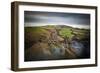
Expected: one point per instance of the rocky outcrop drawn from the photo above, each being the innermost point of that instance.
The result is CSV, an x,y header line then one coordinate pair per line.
x,y
45,43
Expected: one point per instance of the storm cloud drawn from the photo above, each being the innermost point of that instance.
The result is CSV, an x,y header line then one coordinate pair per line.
x,y
36,17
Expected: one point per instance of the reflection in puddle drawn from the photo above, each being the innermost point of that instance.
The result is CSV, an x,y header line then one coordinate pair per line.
x,y
77,46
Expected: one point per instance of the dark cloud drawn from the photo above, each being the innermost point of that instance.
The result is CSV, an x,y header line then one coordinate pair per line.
x,y
55,17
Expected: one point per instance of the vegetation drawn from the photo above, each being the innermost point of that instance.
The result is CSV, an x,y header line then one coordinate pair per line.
x,y
54,42
66,33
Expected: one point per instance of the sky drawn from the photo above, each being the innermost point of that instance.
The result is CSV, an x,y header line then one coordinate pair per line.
x,y
36,18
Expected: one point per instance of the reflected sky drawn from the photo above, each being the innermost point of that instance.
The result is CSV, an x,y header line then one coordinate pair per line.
x,y
34,18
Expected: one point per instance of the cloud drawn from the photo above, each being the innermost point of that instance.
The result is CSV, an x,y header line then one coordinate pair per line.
x,y
56,18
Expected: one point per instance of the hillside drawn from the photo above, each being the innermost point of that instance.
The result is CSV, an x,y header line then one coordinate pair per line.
x,y
56,42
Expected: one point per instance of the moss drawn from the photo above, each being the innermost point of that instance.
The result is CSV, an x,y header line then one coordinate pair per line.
x,y
65,32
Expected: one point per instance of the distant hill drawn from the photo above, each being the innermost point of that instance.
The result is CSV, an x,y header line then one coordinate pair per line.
x,y
81,26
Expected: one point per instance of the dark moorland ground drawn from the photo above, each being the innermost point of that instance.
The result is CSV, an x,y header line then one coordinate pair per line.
x,y
56,42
